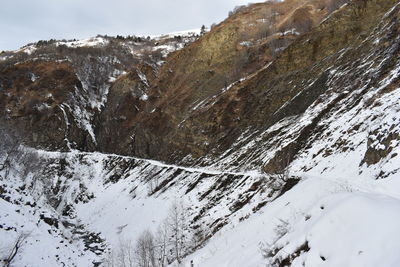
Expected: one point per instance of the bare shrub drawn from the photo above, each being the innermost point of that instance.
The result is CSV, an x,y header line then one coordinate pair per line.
x,y
199,235
236,10
335,4
278,44
267,25
269,250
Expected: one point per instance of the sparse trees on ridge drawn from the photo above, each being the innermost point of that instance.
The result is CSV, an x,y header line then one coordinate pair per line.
x,y
237,9
203,30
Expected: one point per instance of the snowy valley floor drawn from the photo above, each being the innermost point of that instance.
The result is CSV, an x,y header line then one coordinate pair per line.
x,y
322,221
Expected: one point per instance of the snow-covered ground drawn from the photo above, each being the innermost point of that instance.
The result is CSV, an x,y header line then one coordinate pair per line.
x,y
323,221
90,42
342,225
47,240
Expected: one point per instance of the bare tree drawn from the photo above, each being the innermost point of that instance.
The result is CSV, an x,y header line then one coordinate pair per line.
x,y
177,224
283,174
153,184
145,250
161,239
9,148
121,256
15,249
17,159
125,254
236,10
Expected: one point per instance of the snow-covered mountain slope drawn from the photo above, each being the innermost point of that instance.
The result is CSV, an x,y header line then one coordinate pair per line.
x,y
244,217
82,194
320,222
295,164
31,228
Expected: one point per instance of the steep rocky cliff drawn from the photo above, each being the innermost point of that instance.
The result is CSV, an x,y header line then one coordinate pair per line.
x,y
54,91
238,47
157,95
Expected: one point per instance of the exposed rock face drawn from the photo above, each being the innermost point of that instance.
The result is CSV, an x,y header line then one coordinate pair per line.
x,y
126,100
33,100
55,90
241,45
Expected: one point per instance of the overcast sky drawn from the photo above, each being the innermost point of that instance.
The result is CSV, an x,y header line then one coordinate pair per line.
x,y
24,21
